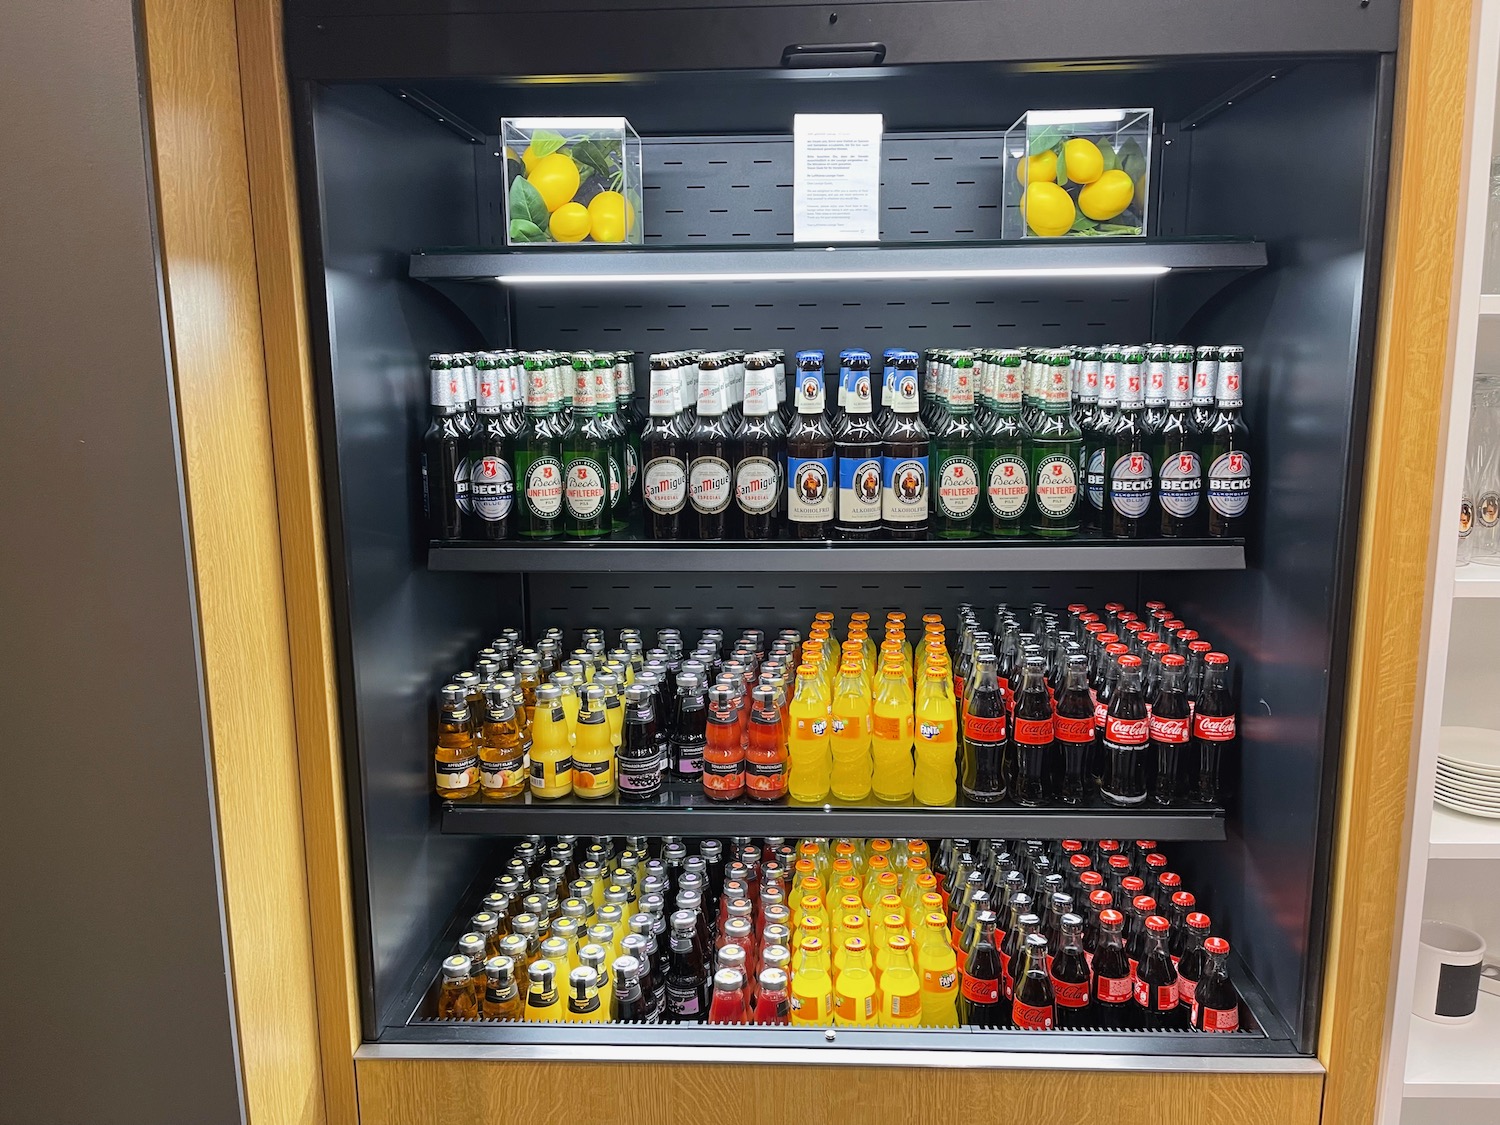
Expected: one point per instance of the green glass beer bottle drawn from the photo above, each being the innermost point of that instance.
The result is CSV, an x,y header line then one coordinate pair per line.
x,y
1053,450
955,465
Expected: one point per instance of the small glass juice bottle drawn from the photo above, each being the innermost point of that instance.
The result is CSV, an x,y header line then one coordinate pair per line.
x,y
457,997
551,751
502,750
593,749
765,758
542,1001
724,753
502,999
455,761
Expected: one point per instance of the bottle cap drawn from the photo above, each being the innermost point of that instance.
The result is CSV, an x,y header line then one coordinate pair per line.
x,y
773,980
1143,903
1157,924
1216,945
1198,921
1110,917
1184,899
1216,658
455,966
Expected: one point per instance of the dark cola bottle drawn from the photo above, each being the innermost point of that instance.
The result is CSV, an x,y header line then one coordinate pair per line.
x,y
1142,906
979,1004
983,774
1214,731
1032,1007
1169,731
1032,735
1112,994
1126,738
1217,1005
1156,983
1192,961
1015,934
1074,728
1072,1006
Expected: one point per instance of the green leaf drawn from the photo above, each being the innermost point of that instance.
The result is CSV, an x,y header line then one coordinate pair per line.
x,y
524,230
527,203
1083,222
1043,139
1111,158
544,142
1062,173
1118,228
592,156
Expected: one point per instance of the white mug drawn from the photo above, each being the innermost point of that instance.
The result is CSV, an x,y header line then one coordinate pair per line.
x,y
1449,961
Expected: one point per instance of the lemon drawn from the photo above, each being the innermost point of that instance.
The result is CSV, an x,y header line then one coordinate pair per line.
x,y
570,223
1083,160
1048,210
1038,169
1107,196
607,213
555,177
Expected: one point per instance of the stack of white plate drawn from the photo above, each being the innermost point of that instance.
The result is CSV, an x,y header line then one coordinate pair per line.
x,y
1468,770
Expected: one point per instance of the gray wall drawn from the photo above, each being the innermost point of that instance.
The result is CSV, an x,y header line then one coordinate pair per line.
x,y
113,978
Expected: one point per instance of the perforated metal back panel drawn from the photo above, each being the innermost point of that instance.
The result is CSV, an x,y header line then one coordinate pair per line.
x,y
739,601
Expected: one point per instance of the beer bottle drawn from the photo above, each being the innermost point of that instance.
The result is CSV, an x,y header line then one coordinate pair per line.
x,y
983,773
1032,1007
1170,716
585,461
1003,446
1112,994
1155,393
458,999
664,474
1088,417
1127,461
1175,455
1205,383
1156,983
1072,1009
904,444
512,401
445,462
1053,452
1126,738
955,458
810,456
1225,457
857,447
538,453
710,482
1216,1005
1075,728
631,423
603,372
1213,730
1033,735
757,453
455,760
492,484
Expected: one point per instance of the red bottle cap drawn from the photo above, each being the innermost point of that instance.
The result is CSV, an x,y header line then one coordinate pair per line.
x,y
1145,845
1095,627
1216,658
1119,862
1112,607
1149,638
1158,647
1156,859
1071,845
1151,607
1184,899
1169,879
1144,903
1128,661
1216,945
1173,625
1157,924
1080,862
1198,921
1107,917
1077,607
1133,884
1108,638
1199,646
1101,898
1135,626
1092,879
1172,660
1109,845
1088,619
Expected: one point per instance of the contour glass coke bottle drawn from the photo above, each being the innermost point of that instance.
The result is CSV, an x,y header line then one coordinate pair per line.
x,y
983,774
1126,738
1217,1005
1214,731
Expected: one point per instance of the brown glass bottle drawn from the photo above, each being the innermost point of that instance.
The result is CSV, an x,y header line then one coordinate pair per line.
x,y
857,447
758,492
809,454
904,465
710,479
454,758
502,997
663,455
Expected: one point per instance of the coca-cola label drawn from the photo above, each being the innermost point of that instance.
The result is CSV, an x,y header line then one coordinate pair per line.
x,y
984,728
1159,998
757,485
1101,712
1056,485
1130,484
1008,488
1029,1017
1070,993
958,488
708,484
1095,479
1127,732
544,487
1179,483
1213,728
1033,732
859,489
903,497
1168,730
1186,990
1219,1019
809,489
1229,483
493,488
664,485
1070,729
979,990
586,490
1112,990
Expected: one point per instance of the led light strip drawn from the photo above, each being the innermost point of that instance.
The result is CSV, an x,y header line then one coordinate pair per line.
x,y
830,275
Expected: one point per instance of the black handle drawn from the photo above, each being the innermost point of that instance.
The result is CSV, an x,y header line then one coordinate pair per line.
x,y
832,54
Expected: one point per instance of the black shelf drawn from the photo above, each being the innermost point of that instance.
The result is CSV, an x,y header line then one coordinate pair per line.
x,y
682,808
944,261
785,557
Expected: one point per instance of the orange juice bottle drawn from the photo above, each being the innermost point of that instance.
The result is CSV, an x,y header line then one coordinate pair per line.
x,y
935,777
812,987
593,749
551,752
570,702
891,730
900,987
850,744
855,993
939,969
809,760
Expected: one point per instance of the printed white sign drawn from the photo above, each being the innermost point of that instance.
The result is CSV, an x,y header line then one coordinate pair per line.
x,y
836,189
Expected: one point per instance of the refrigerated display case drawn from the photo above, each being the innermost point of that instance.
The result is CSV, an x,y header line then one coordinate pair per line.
x,y
1267,230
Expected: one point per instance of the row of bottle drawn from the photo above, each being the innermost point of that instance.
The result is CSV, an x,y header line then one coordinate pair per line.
x,y
859,933
1129,441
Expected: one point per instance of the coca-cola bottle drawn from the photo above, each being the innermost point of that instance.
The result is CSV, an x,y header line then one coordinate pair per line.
x,y
1216,1005
1032,733
1126,738
1191,963
1070,978
1142,906
1074,729
1013,936
979,1001
1213,730
1183,904
1112,992
1109,683
1169,730
1032,1006
983,773
1156,983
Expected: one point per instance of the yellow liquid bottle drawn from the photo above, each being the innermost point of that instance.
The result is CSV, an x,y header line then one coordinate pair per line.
x,y
614,706
543,1004
807,746
455,758
502,997
551,750
529,678
891,729
458,999
856,1000
561,952
502,749
592,955
570,702
900,986
850,742
853,926
593,750
584,1005
939,968
812,926
812,987
935,776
